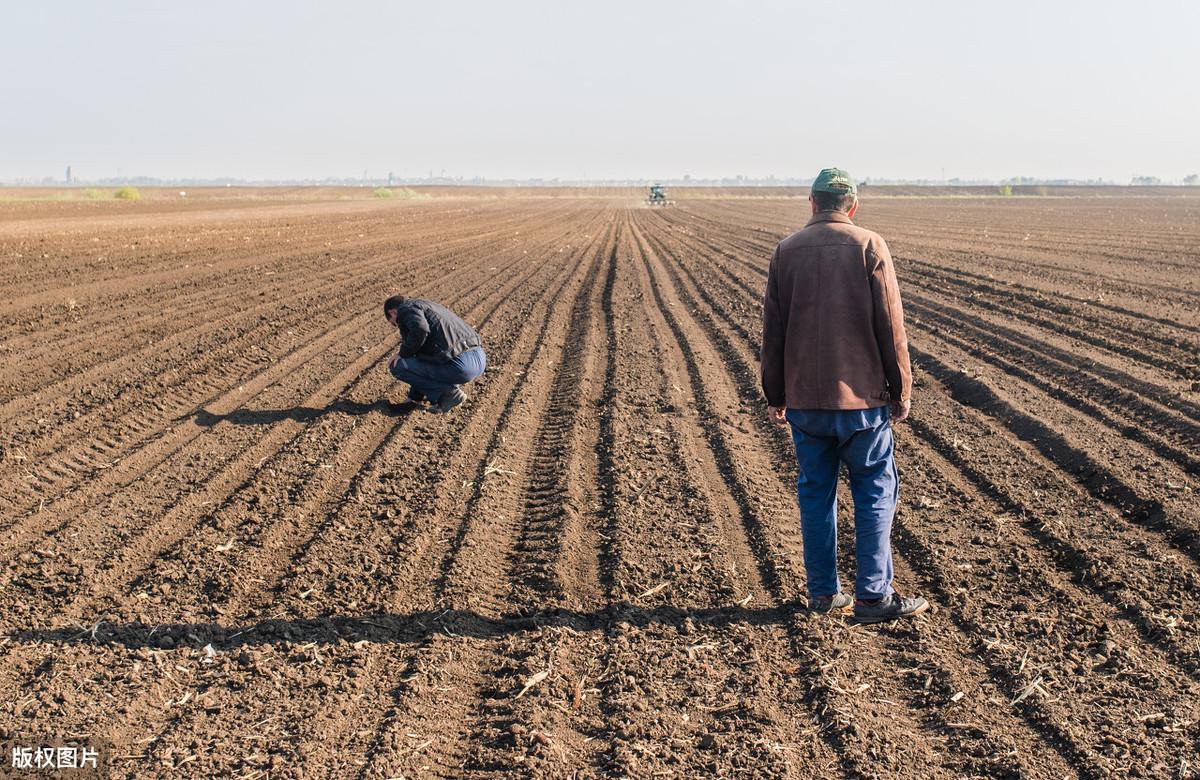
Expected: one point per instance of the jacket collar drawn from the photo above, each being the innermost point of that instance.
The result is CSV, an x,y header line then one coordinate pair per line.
x,y
830,215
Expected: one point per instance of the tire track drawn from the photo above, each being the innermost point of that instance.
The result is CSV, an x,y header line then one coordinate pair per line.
x,y
399,603
470,581
751,559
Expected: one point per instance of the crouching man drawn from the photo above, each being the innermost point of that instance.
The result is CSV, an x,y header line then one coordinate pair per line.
x,y
439,352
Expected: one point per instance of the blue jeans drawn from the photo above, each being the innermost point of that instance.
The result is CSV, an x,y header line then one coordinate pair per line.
x,y
434,379
861,439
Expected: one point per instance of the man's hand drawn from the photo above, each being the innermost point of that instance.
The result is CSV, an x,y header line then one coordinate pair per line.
x,y
395,359
900,410
777,414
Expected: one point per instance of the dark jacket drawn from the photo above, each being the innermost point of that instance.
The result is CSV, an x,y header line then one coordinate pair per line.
x,y
433,332
833,327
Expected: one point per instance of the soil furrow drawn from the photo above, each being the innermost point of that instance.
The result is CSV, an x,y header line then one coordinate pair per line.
x,y
1142,499
1143,400
896,649
228,555
182,406
1154,427
1084,755
756,726
471,584
166,748
1131,341
70,430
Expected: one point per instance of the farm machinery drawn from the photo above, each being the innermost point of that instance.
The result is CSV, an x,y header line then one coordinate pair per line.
x,y
657,196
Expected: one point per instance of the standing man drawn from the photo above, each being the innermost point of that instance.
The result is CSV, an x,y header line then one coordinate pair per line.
x,y
439,351
835,367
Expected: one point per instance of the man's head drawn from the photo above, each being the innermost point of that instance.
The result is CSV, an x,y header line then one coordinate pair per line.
x,y
391,305
834,190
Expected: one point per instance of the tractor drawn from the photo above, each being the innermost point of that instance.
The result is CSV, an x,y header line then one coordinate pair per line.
x,y
657,196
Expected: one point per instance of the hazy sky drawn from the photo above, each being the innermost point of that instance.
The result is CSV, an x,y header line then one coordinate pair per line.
x,y
648,88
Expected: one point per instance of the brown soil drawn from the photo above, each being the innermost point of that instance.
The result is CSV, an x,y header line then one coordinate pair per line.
x,y
227,554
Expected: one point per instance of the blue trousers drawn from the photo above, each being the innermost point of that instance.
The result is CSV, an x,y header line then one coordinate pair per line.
x,y
433,379
861,439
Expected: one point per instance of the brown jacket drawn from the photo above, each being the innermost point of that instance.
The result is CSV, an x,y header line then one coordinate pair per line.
x,y
833,328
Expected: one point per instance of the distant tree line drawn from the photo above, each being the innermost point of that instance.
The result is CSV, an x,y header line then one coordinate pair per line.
x,y
1153,181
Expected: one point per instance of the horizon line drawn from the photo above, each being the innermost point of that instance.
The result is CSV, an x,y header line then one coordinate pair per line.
x,y
685,181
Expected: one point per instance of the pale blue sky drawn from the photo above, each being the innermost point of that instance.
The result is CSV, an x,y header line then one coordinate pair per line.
x,y
614,89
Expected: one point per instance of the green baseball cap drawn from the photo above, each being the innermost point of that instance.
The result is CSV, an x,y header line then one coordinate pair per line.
x,y
834,180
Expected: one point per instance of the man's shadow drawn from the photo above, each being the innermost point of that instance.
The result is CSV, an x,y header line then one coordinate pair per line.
x,y
303,413
396,628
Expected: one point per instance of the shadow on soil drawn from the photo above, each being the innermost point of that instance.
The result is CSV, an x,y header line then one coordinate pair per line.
x,y
302,413
387,628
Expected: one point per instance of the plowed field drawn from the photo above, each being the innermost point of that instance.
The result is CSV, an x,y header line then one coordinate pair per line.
x,y
227,552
